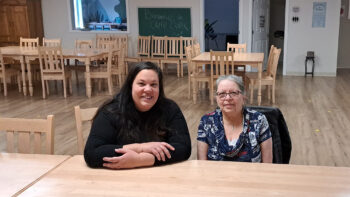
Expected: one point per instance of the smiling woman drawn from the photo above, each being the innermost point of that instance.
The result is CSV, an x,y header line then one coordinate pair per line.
x,y
99,15
139,126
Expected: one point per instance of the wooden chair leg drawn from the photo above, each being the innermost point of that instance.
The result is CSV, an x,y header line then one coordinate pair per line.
x,y
47,87
189,87
110,84
70,85
273,93
5,86
19,82
43,87
64,88
178,70
251,87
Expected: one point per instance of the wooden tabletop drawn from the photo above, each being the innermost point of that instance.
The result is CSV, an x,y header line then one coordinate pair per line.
x,y
19,171
194,178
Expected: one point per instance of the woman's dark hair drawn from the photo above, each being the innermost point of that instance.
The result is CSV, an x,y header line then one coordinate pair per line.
x,y
133,122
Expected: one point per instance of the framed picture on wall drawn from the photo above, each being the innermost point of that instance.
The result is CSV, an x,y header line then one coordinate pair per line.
x,y
99,15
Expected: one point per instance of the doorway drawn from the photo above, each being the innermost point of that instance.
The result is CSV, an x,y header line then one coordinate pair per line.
x,y
221,23
277,23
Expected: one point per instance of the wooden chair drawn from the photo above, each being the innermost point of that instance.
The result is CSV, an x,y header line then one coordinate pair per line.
x,y
268,78
238,48
7,74
194,75
82,115
52,68
79,66
104,71
144,49
158,49
120,40
186,41
221,63
26,130
118,66
173,55
51,42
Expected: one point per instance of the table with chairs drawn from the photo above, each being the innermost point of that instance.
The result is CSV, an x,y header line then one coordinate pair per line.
x,y
252,59
28,53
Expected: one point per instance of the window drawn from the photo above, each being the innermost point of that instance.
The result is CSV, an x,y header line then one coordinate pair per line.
x,y
99,15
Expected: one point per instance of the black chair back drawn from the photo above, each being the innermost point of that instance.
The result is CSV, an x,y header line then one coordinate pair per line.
x,y
282,145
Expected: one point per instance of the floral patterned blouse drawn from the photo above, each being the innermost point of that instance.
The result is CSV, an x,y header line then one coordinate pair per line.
x,y
255,131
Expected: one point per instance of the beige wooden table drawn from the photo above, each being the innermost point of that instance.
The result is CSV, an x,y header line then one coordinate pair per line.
x,y
194,178
28,55
19,171
254,59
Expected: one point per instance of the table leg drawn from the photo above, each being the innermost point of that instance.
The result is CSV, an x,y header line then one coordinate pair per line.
x,y
21,60
87,78
259,77
30,83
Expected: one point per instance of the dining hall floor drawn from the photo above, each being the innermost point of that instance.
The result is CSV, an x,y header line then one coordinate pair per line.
x,y
317,112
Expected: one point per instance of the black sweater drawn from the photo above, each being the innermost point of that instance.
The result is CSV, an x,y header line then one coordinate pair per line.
x,y
103,138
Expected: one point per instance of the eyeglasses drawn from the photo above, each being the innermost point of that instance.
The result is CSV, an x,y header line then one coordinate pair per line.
x,y
222,95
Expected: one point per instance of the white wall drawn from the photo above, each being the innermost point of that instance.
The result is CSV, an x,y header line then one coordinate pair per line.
x,y
301,37
56,19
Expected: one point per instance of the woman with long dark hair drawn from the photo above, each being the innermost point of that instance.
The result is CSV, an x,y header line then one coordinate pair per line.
x,y
139,126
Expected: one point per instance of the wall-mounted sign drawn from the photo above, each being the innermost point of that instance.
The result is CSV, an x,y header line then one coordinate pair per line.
x,y
319,14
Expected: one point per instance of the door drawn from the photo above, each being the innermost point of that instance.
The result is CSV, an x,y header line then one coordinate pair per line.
x,y
260,28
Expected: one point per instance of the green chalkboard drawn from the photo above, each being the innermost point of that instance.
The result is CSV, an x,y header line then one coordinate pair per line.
x,y
172,22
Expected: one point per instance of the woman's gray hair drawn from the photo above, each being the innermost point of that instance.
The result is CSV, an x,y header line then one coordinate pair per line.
x,y
233,78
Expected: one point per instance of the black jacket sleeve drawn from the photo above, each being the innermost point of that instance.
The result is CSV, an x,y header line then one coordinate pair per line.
x,y
178,136
102,140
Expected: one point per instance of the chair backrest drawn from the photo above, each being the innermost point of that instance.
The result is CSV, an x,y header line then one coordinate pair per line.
x,y
274,63
269,59
144,46
173,47
29,43
158,45
27,129
51,60
237,48
82,115
189,55
222,63
187,41
119,40
282,145
102,37
196,49
51,42
83,44
106,44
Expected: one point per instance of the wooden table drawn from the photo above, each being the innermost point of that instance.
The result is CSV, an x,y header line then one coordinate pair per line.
x,y
20,171
254,59
194,178
25,56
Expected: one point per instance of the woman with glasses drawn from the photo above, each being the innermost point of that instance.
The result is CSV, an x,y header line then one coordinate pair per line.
x,y
233,132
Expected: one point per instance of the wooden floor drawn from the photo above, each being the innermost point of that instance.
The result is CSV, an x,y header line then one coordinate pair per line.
x,y
317,111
